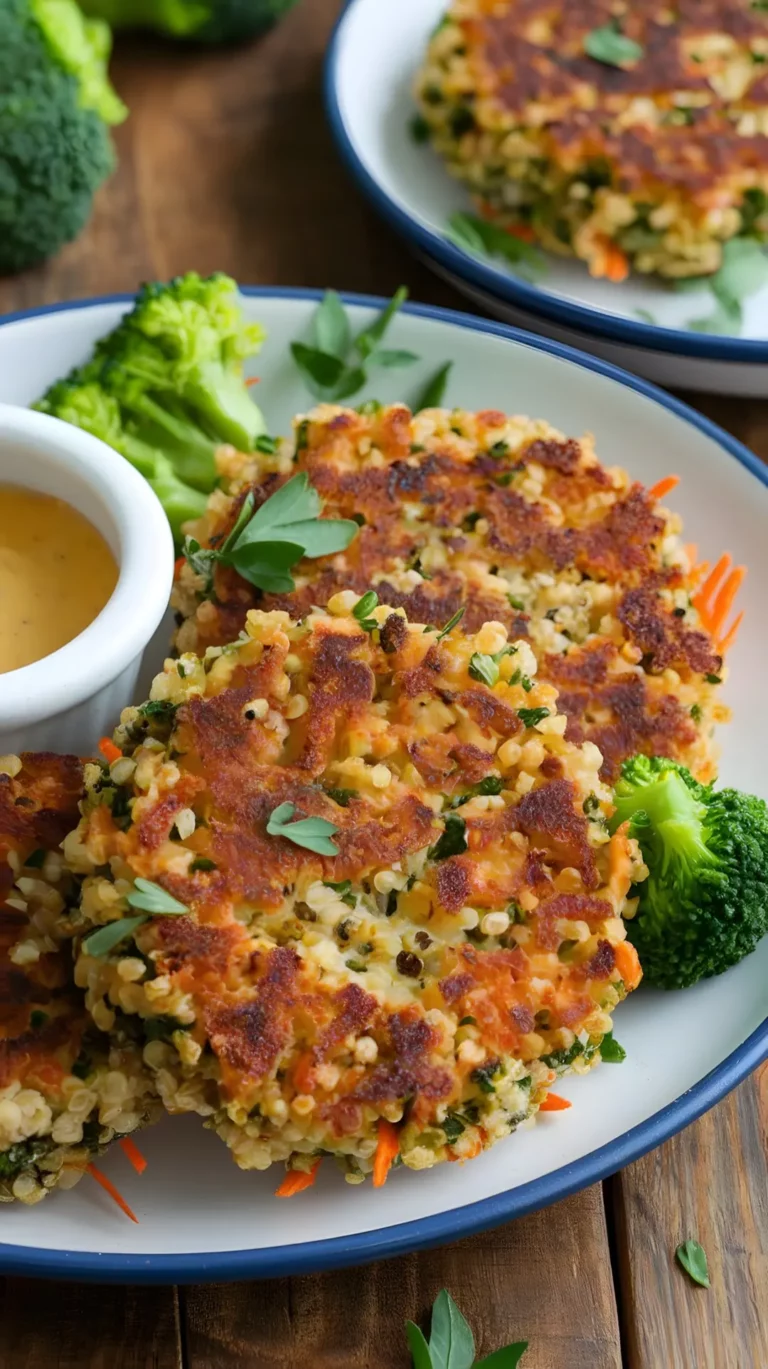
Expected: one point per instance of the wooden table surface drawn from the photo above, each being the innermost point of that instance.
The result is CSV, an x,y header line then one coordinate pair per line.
x,y
226,164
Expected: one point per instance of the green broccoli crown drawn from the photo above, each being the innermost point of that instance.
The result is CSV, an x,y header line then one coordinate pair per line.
x,y
55,151
166,388
704,905
203,21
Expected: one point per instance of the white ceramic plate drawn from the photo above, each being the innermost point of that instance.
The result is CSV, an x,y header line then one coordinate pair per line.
x,y
200,1217
375,52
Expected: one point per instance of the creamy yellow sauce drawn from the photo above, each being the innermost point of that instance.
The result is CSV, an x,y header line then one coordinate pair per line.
x,y
56,575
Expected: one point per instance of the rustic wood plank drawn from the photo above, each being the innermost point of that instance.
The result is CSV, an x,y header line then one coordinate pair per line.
x,y
545,1278
709,1183
77,1326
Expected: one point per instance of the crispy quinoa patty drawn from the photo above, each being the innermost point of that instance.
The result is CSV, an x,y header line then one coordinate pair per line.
x,y
463,945
517,523
65,1092
661,159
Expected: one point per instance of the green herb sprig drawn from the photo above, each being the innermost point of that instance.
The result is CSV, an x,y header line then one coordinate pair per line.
x,y
151,899
529,717
363,610
336,365
452,840
312,833
433,394
483,239
451,1344
693,1259
743,272
485,667
264,546
612,47
611,1051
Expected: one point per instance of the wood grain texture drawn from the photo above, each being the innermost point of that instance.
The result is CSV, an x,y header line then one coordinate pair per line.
x,y
546,1279
226,164
77,1326
710,1184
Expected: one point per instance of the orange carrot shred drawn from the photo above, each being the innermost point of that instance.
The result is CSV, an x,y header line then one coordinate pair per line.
x,y
523,232
730,636
109,751
725,597
178,566
554,1103
628,964
109,1188
296,1180
253,380
715,575
387,1148
133,1154
664,486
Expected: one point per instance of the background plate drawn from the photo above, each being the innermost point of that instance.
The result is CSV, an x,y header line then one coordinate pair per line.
x,y
200,1217
371,64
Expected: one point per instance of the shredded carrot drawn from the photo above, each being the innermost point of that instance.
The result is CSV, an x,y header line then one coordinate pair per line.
x,y
620,865
109,751
628,964
725,597
109,1188
253,380
296,1180
664,486
611,262
715,575
725,645
387,1148
178,566
554,1103
132,1153
523,232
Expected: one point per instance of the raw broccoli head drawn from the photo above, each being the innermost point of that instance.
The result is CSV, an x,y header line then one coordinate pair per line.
x,y
202,21
55,150
704,905
166,388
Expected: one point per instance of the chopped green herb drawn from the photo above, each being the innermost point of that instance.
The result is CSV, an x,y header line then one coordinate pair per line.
x,y
484,668
515,602
453,1126
35,861
433,394
609,45
267,445
611,1051
344,890
369,408
162,1028
713,679
515,913
468,1021
37,1019
363,608
312,833
483,239
696,712
461,120
693,1258
342,796
484,1075
357,965
153,898
452,840
492,784
419,129
83,1066
529,717
202,864
161,709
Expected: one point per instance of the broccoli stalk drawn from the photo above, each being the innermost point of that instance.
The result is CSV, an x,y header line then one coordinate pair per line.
x,y
704,905
166,389
55,105
203,21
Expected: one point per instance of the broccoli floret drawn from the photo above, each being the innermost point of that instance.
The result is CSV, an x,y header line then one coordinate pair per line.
x,y
704,905
55,104
166,389
203,21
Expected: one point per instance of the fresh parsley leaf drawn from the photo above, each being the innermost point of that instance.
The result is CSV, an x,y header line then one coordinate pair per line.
x,y
419,129
451,1343
611,1051
153,898
392,357
452,840
529,717
492,784
743,272
161,709
433,393
482,239
693,1258
484,668
106,938
418,1346
508,1358
453,1126
267,445
609,45
364,608
330,326
368,340
312,833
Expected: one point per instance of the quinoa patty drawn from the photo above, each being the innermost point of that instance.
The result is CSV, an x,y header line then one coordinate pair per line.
x,y
516,522
655,162
64,1091
459,942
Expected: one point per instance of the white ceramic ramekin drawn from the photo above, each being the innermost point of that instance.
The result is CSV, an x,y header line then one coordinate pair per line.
x,y
74,696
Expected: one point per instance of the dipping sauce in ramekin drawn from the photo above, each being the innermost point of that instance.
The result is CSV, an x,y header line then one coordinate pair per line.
x,y
56,574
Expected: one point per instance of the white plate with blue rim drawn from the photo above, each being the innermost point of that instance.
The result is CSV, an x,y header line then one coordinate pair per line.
x,y
200,1218
641,324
